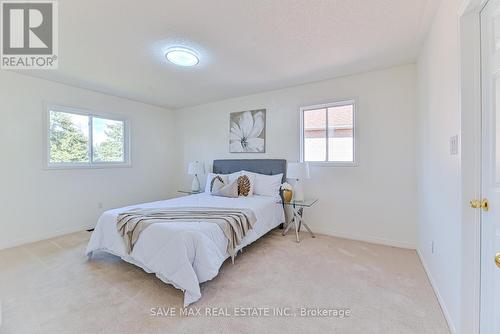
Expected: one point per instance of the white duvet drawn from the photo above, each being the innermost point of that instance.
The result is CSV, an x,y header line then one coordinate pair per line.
x,y
184,254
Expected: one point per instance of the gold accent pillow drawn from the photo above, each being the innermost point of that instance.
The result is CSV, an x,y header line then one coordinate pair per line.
x,y
244,185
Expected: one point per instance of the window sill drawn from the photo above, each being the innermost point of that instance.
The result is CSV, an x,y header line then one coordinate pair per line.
x,y
332,164
95,166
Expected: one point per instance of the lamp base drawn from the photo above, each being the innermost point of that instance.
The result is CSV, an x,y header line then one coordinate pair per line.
x,y
195,186
298,191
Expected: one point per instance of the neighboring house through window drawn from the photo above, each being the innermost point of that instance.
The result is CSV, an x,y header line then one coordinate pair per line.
x,y
328,133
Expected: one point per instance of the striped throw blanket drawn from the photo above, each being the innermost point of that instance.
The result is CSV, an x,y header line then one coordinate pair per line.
x,y
234,222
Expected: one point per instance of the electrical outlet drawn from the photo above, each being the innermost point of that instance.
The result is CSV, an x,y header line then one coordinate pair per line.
x,y
432,247
454,145
99,205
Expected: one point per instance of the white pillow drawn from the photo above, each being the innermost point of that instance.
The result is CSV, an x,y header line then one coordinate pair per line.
x,y
266,185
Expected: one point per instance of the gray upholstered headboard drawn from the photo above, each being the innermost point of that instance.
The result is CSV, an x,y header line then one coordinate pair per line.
x,y
261,166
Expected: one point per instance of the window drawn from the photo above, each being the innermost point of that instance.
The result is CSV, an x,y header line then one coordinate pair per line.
x,y
327,133
77,138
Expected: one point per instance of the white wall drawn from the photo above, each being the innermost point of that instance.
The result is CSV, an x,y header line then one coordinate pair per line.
x,y
375,201
38,203
439,172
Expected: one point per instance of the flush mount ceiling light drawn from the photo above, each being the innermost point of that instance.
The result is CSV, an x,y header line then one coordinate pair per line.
x,y
182,56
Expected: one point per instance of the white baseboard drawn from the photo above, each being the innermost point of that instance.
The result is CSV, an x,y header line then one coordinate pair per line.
x,y
447,316
48,235
367,238
53,234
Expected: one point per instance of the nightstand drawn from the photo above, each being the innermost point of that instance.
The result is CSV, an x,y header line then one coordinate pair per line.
x,y
297,220
189,192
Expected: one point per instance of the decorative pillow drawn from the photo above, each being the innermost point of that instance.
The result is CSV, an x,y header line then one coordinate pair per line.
x,y
229,190
244,185
216,183
229,178
210,177
251,179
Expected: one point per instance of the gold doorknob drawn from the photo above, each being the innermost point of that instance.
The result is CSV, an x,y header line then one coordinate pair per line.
x,y
485,205
497,259
477,204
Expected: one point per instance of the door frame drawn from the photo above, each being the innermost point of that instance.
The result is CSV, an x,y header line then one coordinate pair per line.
x,y
469,28
469,32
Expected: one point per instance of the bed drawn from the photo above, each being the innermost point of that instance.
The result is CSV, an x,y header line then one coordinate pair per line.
x,y
185,254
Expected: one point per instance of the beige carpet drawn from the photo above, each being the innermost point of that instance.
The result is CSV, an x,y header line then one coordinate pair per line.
x,y
50,287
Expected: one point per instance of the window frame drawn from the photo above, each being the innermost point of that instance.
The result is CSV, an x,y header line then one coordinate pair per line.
x,y
90,114
337,103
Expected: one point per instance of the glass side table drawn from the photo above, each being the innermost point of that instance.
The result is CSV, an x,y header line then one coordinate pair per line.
x,y
297,220
189,192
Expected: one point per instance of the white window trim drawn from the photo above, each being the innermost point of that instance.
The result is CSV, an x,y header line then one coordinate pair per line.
x,y
338,103
90,165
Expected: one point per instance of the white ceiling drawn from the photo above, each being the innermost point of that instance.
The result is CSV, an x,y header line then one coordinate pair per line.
x,y
246,46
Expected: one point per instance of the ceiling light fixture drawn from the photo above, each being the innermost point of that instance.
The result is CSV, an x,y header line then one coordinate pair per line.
x,y
182,56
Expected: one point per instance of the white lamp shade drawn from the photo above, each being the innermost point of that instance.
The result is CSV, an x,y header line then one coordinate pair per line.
x,y
196,167
298,170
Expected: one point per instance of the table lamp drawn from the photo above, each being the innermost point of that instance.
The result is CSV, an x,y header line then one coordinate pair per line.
x,y
298,171
195,168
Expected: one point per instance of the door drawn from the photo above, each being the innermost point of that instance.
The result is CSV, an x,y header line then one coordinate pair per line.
x,y
490,217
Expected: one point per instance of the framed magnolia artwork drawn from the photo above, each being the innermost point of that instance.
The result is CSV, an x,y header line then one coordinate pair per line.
x,y
247,132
